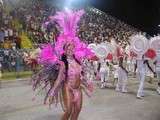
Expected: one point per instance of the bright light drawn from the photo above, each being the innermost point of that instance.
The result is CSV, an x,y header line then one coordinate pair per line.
x,y
68,4
75,3
66,9
158,25
70,0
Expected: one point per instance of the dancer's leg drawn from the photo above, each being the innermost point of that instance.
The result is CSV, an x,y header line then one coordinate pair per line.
x,y
77,107
68,105
141,85
158,76
102,79
119,84
124,86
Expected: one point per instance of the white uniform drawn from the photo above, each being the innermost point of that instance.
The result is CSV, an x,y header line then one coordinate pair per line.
x,y
122,80
88,69
141,76
115,72
157,68
133,62
149,73
91,71
128,64
104,73
95,64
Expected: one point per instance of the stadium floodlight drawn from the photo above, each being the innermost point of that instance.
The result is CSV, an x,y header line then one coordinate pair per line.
x,y
66,8
75,3
68,4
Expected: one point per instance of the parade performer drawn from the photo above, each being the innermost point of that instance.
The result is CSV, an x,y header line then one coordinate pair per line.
x,y
62,74
157,68
155,44
115,72
142,64
149,73
90,71
140,46
122,77
103,72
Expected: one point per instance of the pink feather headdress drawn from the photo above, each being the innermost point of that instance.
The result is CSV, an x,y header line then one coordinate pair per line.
x,y
68,21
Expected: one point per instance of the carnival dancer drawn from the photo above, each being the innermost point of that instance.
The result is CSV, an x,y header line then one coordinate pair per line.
x,y
72,94
122,77
62,73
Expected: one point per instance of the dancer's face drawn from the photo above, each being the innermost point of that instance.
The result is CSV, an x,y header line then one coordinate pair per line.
x,y
69,50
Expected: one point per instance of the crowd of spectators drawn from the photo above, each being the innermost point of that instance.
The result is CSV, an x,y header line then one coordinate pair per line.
x,y
12,60
32,17
97,26
9,34
28,16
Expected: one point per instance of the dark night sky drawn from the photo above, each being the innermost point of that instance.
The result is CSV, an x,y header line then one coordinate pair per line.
x,y
142,14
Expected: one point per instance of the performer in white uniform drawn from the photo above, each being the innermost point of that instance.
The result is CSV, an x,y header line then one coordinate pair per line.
x,y
122,78
157,68
128,62
95,64
149,73
155,45
115,72
141,72
91,71
104,72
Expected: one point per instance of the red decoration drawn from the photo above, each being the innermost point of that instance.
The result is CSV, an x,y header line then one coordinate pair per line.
x,y
119,52
132,54
94,58
109,56
150,53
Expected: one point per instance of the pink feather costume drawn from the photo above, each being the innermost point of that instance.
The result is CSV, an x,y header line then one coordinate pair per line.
x,y
54,76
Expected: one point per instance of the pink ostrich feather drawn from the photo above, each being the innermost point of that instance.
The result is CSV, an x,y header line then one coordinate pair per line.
x,y
68,21
46,55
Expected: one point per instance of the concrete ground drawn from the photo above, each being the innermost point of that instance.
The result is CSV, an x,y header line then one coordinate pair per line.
x,y
105,104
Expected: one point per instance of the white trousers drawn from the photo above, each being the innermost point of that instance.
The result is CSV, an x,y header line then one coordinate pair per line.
x,y
141,77
121,84
104,76
122,81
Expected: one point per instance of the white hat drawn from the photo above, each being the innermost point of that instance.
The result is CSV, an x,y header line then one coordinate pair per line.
x,y
155,43
92,46
101,51
139,44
